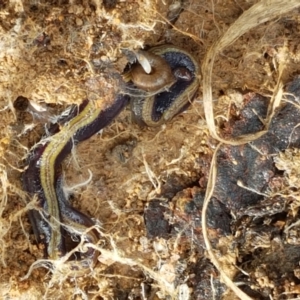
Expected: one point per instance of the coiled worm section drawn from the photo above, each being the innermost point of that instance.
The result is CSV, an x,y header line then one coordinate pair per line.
x,y
168,89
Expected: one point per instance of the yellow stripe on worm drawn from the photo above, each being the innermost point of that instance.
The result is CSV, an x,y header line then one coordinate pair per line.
x,y
172,84
56,216
48,170
41,178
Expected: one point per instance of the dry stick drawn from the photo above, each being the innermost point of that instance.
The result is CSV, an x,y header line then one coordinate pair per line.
x,y
257,14
212,256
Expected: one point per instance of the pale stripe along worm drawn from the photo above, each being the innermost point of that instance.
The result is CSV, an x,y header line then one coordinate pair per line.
x,y
171,91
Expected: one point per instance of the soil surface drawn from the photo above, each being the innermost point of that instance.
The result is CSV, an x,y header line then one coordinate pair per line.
x,y
146,186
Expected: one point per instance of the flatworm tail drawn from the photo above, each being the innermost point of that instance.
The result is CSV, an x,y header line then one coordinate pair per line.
x,y
41,178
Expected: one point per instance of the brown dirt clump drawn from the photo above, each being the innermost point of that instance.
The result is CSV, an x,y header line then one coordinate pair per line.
x,y
56,53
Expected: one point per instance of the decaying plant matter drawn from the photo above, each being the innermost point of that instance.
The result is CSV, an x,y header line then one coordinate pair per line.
x,y
179,219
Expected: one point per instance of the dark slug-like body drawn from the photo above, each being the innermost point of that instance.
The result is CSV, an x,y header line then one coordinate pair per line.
x,y
167,89
41,178
158,108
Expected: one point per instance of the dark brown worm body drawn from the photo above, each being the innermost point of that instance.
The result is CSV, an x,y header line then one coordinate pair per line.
x,y
173,77
157,108
57,218
160,77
